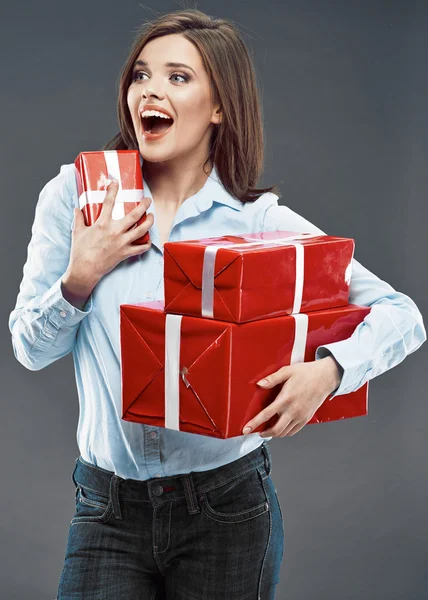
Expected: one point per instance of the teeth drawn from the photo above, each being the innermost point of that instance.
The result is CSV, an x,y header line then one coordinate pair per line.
x,y
153,113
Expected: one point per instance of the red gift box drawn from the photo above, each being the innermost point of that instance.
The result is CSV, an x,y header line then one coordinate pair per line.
x,y
257,275
199,375
94,172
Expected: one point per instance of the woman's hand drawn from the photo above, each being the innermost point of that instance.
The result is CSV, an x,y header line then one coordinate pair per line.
x,y
97,249
306,386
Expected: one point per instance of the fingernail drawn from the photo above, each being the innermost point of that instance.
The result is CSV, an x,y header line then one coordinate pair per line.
x,y
262,382
246,430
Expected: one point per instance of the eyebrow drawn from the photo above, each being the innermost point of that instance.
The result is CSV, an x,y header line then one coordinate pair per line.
x,y
143,63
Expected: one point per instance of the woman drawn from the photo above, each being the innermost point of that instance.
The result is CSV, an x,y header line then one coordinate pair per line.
x,y
162,513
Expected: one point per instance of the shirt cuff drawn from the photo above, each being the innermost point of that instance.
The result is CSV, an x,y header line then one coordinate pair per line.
x,y
352,374
59,311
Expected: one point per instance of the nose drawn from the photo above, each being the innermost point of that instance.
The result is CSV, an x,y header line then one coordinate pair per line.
x,y
150,91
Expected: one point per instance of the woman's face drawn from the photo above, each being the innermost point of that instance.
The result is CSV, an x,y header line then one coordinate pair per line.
x,y
183,91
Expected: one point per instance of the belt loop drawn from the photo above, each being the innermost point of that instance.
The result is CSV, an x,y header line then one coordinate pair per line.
x,y
267,456
114,495
189,492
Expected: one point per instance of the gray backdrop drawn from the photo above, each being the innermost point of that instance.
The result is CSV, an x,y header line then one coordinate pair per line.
x,y
345,98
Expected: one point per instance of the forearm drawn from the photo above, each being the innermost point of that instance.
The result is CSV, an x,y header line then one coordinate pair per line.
x,y
44,326
44,323
392,330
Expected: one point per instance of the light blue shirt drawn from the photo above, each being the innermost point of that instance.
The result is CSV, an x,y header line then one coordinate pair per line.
x,y
45,327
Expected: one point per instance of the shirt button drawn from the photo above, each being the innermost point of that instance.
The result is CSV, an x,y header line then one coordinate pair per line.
x,y
153,434
158,475
149,295
63,313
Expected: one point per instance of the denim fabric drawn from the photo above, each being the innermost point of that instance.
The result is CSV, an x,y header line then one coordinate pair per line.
x,y
208,535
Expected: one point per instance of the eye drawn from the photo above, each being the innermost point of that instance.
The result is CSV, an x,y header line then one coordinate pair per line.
x,y
185,77
135,75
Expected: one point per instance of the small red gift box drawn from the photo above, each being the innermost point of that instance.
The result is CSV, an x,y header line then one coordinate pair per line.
x,y
199,375
94,172
257,275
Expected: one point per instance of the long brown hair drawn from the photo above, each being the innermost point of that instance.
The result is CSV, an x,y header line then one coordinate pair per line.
x,y
237,143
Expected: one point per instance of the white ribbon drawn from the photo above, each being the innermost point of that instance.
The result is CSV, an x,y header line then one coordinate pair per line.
x,y
172,371
208,269
301,334
98,196
112,164
172,362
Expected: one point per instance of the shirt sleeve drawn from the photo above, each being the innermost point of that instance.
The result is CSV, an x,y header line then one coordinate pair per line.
x,y
43,323
393,329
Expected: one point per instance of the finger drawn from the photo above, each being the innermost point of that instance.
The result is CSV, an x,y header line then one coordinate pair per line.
x,y
275,378
136,213
109,200
136,232
79,219
262,417
137,249
278,429
292,430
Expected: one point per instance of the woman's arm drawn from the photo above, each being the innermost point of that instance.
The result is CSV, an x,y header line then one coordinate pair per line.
x,y
393,329
44,323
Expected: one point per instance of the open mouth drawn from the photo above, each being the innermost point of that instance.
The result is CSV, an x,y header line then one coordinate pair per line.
x,y
156,125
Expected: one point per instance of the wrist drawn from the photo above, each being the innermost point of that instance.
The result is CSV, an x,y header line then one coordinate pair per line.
x,y
78,282
75,289
334,372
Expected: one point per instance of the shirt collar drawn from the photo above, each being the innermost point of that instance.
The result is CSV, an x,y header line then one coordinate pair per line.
x,y
212,191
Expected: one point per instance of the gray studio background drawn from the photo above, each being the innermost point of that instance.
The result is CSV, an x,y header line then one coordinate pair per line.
x,y
345,103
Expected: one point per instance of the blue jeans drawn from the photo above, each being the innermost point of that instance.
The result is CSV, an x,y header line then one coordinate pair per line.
x,y
210,535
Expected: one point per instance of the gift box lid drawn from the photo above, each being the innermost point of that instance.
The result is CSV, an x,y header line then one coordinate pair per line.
x,y
95,170
230,248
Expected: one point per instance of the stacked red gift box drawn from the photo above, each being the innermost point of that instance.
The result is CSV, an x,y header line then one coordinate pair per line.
x,y
237,308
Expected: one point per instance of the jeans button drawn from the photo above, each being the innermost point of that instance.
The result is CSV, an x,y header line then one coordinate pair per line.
x,y
158,490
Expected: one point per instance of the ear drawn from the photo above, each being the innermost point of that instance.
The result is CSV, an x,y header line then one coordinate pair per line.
x,y
217,115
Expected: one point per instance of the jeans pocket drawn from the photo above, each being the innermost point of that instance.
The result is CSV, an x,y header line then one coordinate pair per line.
x,y
238,500
91,506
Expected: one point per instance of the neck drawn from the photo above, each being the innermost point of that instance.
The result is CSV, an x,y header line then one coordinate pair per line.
x,y
171,183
